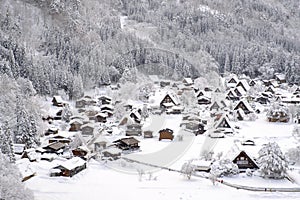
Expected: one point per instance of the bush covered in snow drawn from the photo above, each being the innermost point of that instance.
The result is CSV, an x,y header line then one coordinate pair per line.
x,y
224,168
271,161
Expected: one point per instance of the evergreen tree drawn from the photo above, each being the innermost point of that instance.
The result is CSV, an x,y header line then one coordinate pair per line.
x,y
6,143
271,161
26,128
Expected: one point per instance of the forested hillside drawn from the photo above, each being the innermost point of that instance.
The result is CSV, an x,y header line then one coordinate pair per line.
x,y
70,45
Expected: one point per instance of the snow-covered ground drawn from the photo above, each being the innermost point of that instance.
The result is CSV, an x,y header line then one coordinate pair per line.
x,y
120,179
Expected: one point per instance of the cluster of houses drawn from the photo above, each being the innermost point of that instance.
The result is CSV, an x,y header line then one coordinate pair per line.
x,y
91,118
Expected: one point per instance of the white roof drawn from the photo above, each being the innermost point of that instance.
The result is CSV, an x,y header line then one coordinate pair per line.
x,y
113,150
76,120
73,163
88,125
245,84
280,76
188,80
109,106
18,148
102,115
240,90
247,105
58,99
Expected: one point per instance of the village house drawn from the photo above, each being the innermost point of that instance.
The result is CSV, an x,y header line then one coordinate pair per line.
x,y
69,168
58,101
262,100
125,144
134,130
188,81
104,99
98,143
166,134
80,151
62,138
239,91
135,114
280,78
87,129
91,112
165,83
278,115
51,130
75,125
169,100
231,95
223,124
101,117
108,109
111,153
30,154
244,161
244,105
243,84
232,81
56,147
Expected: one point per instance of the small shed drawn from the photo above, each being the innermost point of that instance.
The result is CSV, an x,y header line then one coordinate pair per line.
x,y
148,134
69,168
166,134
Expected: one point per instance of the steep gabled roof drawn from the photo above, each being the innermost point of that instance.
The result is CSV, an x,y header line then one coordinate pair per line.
x,y
223,122
244,84
244,105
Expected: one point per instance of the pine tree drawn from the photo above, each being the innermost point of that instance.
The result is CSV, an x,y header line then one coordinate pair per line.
x,y
271,161
6,143
26,128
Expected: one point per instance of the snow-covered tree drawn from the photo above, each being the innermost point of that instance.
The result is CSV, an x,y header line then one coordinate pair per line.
x,y
188,99
293,155
6,143
272,163
224,168
25,128
188,169
66,113
11,186
296,133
